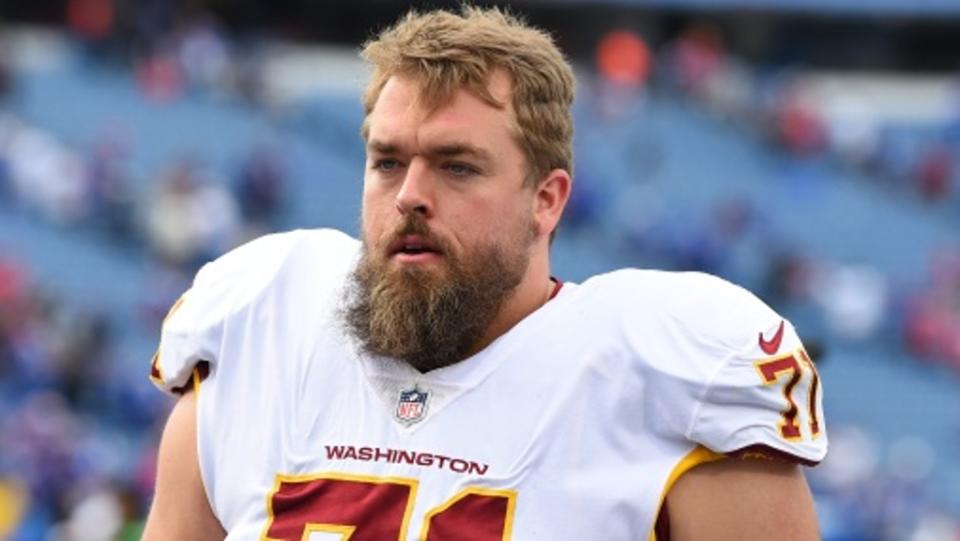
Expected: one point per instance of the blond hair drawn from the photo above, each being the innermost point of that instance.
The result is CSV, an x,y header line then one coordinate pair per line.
x,y
446,52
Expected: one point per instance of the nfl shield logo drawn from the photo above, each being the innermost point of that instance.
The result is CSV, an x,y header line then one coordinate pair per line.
x,y
412,406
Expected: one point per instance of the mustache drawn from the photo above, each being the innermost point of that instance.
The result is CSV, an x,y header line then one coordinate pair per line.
x,y
413,224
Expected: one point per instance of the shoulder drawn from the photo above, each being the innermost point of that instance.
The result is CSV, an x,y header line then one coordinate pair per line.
x,y
696,305
685,327
265,256
729,372
248,270
687,286
283,272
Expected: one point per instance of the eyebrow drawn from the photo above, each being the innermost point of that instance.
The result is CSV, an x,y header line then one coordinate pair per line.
x,y
381,146
448,150
461,149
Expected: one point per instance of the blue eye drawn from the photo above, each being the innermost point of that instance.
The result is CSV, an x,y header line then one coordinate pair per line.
x,y
386,164
461,169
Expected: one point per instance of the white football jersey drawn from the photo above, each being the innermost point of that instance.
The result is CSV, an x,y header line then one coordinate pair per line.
x,y
572,425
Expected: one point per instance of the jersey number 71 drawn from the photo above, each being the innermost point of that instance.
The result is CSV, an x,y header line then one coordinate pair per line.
x,y
368,508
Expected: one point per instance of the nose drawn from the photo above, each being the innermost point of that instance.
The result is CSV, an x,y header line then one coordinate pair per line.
x,y
416,192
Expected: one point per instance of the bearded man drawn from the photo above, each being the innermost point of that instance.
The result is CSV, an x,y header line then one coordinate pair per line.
x,y
434,382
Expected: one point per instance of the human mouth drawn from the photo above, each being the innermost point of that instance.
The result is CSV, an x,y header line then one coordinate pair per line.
x,y
414,249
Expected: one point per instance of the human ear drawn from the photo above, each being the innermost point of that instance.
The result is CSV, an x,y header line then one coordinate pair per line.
x,y
552,194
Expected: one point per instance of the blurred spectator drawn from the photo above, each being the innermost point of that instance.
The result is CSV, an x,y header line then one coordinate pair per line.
x,y
728,93
90,19
160,76
190,217
110,190
203,52
13,283
92,22
152,21
853,298
81,349
623,63
934,173
262,188
855,132
696,56
95,516
623,58
46,176
932,319
799,128
790,278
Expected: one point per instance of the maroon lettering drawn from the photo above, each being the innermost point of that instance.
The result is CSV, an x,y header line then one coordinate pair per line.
x,y
334,452
400,456
384,455
407,457
478,469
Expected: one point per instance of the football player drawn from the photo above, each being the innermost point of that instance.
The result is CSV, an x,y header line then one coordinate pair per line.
x,y
432,381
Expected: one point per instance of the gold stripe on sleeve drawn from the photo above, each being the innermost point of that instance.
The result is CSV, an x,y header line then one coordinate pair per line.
x,y
700,455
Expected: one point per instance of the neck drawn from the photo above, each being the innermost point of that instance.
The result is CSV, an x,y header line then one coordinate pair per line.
x,y
533,292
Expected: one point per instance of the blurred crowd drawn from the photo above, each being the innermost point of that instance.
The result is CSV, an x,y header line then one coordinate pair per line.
x,y
171,51
77,439
77,434
867,493
782,107
185,216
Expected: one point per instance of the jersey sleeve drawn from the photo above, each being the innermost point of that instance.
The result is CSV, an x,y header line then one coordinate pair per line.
x,y
193,332
764,396
735,374
764,400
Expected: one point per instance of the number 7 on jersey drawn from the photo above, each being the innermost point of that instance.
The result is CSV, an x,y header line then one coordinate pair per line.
x,y
789,370
343,507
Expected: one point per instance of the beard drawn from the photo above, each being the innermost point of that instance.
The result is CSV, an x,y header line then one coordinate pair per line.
x,y
426,317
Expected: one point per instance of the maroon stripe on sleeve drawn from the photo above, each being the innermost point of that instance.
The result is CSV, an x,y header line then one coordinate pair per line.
x,y
203,370
765,452
661,529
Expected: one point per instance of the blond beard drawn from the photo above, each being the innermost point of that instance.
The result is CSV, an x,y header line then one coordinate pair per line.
x,y
431,319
